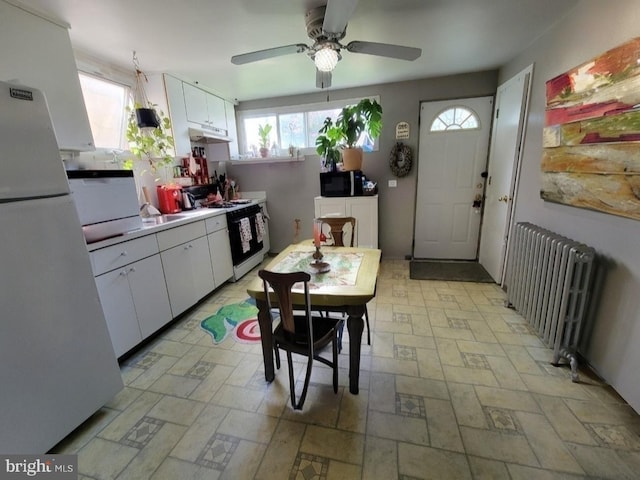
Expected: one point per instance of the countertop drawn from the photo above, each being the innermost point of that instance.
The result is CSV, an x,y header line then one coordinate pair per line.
x,y
155,225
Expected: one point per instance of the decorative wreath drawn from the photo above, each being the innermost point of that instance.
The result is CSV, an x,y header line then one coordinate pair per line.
x,y
400,160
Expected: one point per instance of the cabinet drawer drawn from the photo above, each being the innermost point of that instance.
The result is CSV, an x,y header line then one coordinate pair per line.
x,y
116,256
216,223
175,236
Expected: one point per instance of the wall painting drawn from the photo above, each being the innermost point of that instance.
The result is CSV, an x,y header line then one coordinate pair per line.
x,y
591,139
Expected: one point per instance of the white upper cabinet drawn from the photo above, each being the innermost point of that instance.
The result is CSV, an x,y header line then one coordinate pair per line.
x,y
204,108
37,53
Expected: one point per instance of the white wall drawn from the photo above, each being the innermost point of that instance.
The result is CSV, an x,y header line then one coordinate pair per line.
x,y
591,28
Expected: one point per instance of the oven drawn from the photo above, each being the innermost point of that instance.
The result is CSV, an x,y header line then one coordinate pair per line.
x,y
246,236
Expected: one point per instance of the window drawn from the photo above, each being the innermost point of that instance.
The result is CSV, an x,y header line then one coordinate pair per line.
x,y
106,104
295,125
456,118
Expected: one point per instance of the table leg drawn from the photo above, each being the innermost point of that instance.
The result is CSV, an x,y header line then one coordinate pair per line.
x,y
266,338
355,325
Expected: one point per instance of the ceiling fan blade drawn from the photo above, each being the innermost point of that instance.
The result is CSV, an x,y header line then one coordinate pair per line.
x,y
384,50
337,15
323,79
268,53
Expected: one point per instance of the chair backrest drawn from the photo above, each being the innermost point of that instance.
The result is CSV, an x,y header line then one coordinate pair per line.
x,y
281,284
336,229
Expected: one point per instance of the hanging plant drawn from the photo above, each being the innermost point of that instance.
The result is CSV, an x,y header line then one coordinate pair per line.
x,y
153,144
148,129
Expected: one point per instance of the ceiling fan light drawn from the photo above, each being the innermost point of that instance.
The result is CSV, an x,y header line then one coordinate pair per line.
x,y
326,59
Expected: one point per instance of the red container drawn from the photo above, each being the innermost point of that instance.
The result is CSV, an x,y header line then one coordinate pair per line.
x,y
169,197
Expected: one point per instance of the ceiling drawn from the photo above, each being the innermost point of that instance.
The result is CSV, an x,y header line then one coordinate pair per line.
x,y
195,39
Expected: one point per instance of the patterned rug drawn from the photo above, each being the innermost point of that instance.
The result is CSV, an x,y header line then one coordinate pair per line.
x,y
238,319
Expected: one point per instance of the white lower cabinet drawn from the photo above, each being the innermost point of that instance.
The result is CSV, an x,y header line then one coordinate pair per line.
x,y
219,249
364,209
134,301
187,266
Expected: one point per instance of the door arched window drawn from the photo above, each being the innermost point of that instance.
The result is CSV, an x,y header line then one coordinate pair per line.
x,y
455,118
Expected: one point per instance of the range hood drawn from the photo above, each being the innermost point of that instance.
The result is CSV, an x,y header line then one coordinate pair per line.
x,y
202,135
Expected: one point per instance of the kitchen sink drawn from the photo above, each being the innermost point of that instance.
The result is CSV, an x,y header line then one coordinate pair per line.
x,y
160,219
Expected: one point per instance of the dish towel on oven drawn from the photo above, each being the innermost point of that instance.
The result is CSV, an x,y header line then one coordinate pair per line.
x,y
245,234
259,227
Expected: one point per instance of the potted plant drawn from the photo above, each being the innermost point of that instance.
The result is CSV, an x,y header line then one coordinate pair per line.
x,y
264,133
327,144
365,116
154,144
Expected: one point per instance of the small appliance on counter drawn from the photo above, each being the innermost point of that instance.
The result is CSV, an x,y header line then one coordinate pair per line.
x,y
169,198
106,201
341,184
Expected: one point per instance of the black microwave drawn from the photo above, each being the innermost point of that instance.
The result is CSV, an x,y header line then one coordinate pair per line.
x,y
341,184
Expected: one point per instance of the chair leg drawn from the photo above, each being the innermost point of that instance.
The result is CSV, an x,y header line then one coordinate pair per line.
x,y
292,381
277,353
366,317
307,378
335,360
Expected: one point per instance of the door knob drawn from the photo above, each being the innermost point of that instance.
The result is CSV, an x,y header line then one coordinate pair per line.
x,y
504,198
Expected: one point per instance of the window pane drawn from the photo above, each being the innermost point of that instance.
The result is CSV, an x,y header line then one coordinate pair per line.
x,y
252,138
106,103
316,119
455,118
292,131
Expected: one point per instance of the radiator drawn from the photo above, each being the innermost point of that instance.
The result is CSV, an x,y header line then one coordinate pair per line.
x,y
548,283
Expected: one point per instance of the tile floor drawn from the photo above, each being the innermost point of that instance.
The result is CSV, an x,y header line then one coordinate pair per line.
x,y
454,386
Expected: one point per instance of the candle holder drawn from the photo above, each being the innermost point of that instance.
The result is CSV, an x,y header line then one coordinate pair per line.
x,y
317,255
318,266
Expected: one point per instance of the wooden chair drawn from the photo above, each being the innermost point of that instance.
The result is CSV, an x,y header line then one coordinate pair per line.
x,y
301,334
336,231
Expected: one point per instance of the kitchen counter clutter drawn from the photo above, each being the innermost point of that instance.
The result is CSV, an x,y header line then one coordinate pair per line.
x,y
149,276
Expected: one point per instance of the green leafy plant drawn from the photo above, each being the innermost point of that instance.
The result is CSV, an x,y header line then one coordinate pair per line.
x,y
154,144
264,132
327,142
364,116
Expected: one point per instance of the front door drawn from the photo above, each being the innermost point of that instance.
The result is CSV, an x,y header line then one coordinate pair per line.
x,y
454,142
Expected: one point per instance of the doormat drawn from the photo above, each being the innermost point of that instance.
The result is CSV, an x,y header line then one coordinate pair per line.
x,y
239,319
449,271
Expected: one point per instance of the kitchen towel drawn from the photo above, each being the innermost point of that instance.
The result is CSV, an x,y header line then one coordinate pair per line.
x,y
259,227
245,234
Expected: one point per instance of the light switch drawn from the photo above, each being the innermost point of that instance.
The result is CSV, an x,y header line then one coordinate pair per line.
x,y
393,183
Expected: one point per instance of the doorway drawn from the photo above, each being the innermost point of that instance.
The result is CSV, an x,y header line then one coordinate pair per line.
x,y
454,144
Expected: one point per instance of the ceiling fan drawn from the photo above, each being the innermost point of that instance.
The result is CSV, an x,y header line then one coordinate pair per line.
x,y
326,26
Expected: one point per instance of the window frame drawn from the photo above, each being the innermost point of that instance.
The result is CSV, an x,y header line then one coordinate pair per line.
x,y
448,126
287,110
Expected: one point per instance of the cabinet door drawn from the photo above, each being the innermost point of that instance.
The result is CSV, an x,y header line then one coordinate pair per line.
x,y
188,273
217,113
149,293
37,53
119,310
330,207
232,129
365,211
195,102
220,251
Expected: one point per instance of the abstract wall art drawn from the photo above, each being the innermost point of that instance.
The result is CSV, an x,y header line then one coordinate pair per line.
x,y
591,139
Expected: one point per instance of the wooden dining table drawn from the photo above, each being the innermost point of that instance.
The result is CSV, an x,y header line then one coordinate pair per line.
x,y
346,288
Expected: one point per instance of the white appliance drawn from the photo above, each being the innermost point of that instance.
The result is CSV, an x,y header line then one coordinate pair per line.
x,y
57,365
106,201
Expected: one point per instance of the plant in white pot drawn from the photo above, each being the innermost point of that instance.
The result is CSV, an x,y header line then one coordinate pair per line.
x,y
365,116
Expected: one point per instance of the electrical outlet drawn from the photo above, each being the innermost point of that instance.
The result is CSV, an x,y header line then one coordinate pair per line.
x,y
393,183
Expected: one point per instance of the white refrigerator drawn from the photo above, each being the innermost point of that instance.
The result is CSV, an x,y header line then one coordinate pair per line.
x,y
57,364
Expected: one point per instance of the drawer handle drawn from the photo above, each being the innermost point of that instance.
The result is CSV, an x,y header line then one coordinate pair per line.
x,y
123,254
132,269
123,273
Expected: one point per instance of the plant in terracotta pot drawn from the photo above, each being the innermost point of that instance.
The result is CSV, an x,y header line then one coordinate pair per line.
x,y
264,133
365,116
327,144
